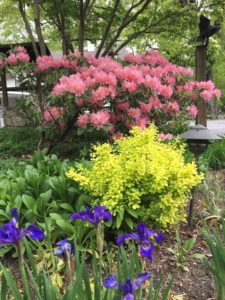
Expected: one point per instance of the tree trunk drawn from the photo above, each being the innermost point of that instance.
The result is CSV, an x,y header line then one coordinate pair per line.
x,y
28,28
81,29
38,26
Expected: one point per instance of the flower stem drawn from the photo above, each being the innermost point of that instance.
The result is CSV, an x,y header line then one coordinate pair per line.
x,y
20,254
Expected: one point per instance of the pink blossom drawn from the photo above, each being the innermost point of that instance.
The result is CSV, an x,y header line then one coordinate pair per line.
x,y
165,136
12,59
166,91
122,105
206,95
20,49
53,114
175,105
99,119
153,83
1,62
130,86
156,102
217,93
134,113
83,120
143,122
100,94
70,84
23,57
192,110
146,107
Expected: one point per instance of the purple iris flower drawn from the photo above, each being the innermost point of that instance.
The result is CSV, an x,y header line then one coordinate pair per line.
x,y
10,233
65,248
94,217
128,288
143,236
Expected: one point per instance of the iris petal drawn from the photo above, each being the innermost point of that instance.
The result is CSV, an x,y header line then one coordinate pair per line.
x,y
64,246
127,287
128,297
99,213
147,251
158,237
110,282
121,238
33,232
9,233
141,279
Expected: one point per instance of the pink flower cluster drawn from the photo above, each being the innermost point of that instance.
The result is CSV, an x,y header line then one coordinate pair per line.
x,y
165,136
45,62
125,96
53,114
19,55
102,91
96,120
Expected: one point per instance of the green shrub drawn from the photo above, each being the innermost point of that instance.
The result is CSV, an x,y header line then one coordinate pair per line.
x,y
140,176
215,155
15,142
8,163
18,141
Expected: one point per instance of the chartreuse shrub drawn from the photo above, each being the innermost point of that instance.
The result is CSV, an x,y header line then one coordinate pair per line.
x,y
139,175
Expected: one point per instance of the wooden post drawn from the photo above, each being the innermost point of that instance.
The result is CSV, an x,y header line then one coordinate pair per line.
x,y
200,66
4,88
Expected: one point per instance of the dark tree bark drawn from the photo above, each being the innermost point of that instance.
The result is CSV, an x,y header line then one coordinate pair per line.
x,y
38,26
107,29
60,23
27,26
81,28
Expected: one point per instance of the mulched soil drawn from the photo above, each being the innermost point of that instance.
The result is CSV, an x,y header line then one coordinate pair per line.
x,y
195,282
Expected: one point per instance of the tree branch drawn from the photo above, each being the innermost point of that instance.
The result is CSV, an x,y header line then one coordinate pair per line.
x,y
107,29
27,26
146,30
126,22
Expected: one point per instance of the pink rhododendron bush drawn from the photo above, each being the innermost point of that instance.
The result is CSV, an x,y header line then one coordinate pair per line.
x,y
85,93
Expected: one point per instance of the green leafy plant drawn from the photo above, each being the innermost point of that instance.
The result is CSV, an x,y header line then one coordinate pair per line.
x,y
43,194
216,242
215,155
181,253
214,197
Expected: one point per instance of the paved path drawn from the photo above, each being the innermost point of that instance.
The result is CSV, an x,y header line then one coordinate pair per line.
x,y
217,126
